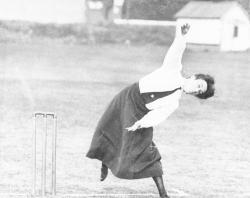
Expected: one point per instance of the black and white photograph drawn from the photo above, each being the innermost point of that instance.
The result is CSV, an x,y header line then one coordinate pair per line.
x,y
124,98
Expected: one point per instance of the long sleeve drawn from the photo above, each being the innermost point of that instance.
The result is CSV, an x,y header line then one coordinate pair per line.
x,y
168,76
172,60
156,116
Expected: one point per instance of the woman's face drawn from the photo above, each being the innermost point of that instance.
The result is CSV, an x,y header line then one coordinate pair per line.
x,y
195,86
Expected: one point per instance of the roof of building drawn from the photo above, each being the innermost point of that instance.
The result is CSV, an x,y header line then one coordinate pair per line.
x,y
205,9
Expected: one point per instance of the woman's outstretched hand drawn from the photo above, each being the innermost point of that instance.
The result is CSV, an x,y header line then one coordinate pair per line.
x,y
185,28
136,126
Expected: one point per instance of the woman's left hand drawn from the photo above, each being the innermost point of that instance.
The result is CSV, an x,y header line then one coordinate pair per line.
x,y
136,126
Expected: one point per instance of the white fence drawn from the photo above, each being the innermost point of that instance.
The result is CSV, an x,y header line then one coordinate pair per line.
x,y
144,22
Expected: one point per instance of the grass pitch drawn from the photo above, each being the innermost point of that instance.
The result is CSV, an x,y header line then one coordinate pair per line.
x,y
204,144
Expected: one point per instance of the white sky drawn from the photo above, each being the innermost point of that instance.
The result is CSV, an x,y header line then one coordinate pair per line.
x,y
59,11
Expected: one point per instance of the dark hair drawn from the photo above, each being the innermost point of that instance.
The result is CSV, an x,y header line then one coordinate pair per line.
x,y
210,86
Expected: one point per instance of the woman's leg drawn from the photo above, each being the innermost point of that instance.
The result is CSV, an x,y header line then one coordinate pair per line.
x,y
160,186
104,172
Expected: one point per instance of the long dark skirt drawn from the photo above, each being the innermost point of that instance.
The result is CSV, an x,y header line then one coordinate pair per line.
x,y
129,155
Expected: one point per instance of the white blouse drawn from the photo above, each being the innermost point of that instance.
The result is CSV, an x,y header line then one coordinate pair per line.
x,y
167,78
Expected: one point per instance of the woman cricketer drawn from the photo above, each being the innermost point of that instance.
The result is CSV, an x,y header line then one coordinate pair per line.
x,y
123,137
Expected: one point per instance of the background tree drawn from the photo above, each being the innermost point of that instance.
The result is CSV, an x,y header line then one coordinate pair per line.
x,y
159,9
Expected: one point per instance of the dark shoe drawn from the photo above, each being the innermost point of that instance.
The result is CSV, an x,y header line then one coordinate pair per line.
x,y
104,172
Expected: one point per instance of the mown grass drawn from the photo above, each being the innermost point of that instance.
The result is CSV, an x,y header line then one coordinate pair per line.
x,y
204,144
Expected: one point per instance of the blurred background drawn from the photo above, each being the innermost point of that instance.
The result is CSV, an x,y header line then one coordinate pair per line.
x,y
72,57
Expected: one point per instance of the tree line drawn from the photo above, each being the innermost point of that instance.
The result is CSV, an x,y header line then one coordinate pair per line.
x,y
159,9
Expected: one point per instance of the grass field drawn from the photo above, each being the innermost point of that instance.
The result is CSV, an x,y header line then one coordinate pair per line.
x,y
204,144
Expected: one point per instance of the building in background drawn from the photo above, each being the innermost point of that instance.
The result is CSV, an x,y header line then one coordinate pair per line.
x,y
225,24
102,11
